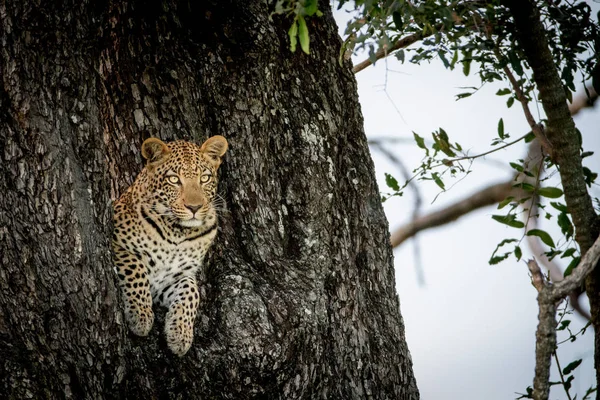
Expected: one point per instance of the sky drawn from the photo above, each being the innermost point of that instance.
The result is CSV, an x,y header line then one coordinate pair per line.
x,y
470,326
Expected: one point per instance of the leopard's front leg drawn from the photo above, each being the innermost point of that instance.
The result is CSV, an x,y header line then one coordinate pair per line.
x,y
182,299
133,280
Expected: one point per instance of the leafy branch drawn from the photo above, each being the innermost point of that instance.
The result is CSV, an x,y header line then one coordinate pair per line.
x,y
487,196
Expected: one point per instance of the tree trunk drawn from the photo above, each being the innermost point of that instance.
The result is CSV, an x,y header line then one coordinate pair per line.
x,y
298,297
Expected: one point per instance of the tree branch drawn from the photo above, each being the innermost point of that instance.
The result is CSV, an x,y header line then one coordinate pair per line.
x,y
382,53
548,297
564,139
545,336
534,242
561,131
488,196
587,264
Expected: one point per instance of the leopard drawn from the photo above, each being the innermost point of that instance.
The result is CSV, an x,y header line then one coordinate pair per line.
x,y
163,226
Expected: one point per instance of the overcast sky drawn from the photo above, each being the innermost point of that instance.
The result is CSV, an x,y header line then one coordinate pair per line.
x,y
471,327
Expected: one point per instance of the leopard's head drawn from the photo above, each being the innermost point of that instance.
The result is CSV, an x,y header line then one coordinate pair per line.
x,y
182,179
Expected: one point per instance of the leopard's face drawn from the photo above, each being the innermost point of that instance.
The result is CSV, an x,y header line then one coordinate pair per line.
x,y
181,180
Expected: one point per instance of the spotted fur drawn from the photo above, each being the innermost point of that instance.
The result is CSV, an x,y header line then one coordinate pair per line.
x,y
163,226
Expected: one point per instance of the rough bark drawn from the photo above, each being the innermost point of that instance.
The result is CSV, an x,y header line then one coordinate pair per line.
x,y
565,142
298,295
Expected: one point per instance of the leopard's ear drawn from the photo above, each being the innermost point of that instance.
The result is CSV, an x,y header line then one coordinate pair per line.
x,y
155,151
214,148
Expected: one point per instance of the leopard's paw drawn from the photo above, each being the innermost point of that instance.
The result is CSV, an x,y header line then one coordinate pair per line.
x,y
179,330
140,321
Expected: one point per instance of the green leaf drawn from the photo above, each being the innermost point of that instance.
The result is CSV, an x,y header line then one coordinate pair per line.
x,y
502,92
571,367
573,264
441,139
525,186
463,95
293,34
454,60
397,17
552,253
543,235
591,389
442,56
587,154
510,220
448,19
504,202
496,259
421,143
517,167
550,192
400,55
310,7
392,182
566,227
596,76
569,252
466,61
443,135
303,34
515,62
518,253
529,137
564,325
510,102
559,206
589,176
438,181
568,383
501,128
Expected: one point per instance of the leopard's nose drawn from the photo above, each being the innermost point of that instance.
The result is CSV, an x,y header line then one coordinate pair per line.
x,y
193,209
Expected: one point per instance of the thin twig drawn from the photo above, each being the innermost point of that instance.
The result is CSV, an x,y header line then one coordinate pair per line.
x,y
417,206
446,162
536,128
534,242
562,378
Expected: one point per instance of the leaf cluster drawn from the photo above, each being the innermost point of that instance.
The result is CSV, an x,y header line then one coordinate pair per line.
x,y
460,33
299,10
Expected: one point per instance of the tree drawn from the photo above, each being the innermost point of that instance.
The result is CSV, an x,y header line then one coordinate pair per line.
x,y
538,49
298,296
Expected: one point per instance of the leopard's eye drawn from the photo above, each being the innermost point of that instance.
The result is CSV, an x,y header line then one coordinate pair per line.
x,y
173,179
205,178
